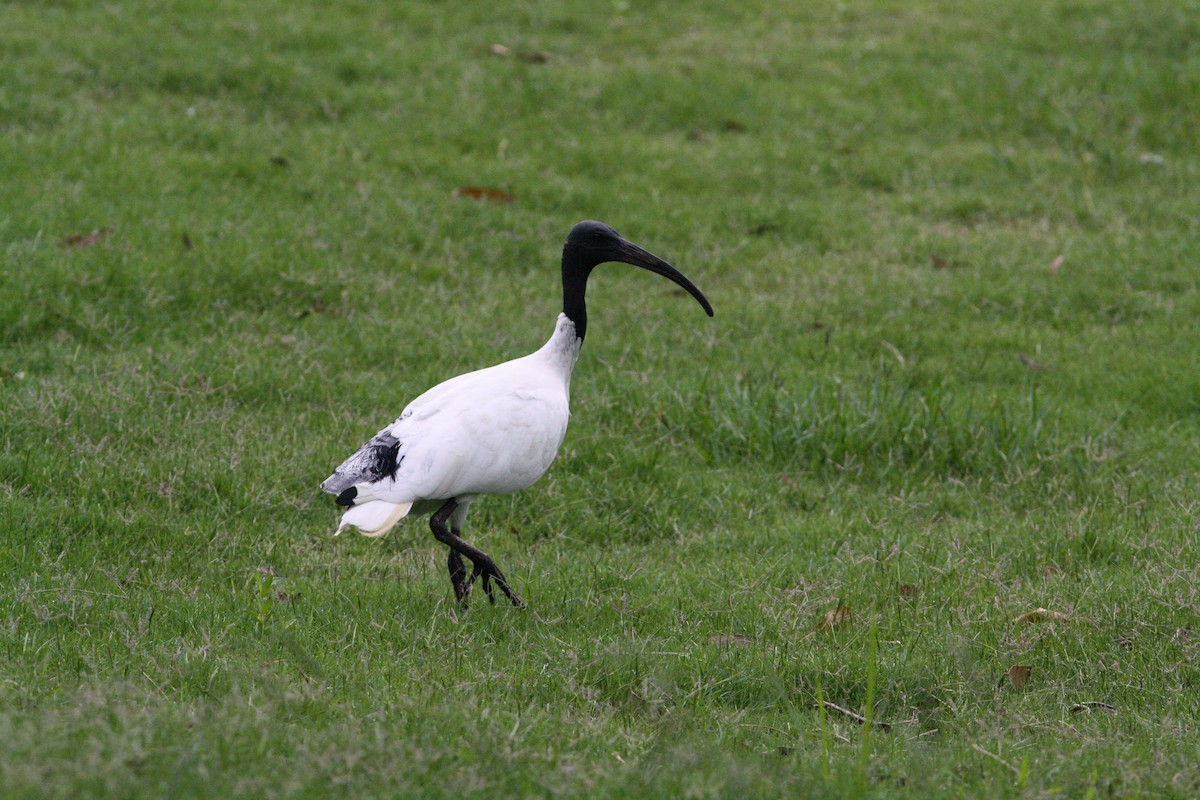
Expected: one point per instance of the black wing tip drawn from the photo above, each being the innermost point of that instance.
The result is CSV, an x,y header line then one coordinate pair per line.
x,y
346,498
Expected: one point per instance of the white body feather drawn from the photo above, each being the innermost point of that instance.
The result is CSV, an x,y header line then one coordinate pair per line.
x,y
492,431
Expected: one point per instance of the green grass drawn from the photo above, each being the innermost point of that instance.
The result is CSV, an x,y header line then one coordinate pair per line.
x,y
899,408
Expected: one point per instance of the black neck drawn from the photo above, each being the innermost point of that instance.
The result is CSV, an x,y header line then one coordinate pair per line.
x,y
575,275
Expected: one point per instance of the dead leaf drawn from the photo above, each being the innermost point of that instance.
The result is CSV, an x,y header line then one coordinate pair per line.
x,y
834,618
732,126
484,193
1055,264
731,639
1017,675
1051,570
907,591
501,50
1042,615
81,240
939,262
1030,363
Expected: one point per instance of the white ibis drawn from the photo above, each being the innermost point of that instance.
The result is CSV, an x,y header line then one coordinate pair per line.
x,y
491,431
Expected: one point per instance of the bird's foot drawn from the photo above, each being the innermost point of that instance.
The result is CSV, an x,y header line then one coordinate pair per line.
x,y
459,579
487,571
462,591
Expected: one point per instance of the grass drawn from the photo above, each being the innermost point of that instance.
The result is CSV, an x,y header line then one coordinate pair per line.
x,y
907,407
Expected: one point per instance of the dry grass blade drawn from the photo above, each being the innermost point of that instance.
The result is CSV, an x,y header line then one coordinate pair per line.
x,y
731,640
1093,705
1042,615
859,718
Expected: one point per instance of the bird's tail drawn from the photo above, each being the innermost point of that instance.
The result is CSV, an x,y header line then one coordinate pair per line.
x,y
373,518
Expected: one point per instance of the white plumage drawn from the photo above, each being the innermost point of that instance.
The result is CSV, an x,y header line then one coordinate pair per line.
x,y
492,431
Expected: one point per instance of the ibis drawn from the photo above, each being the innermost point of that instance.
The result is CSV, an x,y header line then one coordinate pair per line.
x,y
492,431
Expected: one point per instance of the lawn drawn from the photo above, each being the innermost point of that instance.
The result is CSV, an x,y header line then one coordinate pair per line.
x,y
953,379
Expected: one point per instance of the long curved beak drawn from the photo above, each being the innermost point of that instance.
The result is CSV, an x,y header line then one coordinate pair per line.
x,y
630,253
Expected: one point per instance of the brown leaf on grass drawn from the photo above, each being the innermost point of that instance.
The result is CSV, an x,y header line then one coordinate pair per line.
x,y
732,126
484,193
728,640
834,618
500,50
1017,675
1036,366
1051,570
1055,265
907,591
939,262
81,240
1042,615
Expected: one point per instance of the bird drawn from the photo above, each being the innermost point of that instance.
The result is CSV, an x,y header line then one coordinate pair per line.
x,y
491,431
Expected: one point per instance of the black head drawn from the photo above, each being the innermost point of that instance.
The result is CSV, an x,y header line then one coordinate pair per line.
x,y
591,243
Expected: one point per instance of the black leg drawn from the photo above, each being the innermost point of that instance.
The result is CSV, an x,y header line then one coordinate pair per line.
x,y
458,577
483,563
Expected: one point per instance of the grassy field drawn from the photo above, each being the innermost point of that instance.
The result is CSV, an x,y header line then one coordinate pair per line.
x,y
953,378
